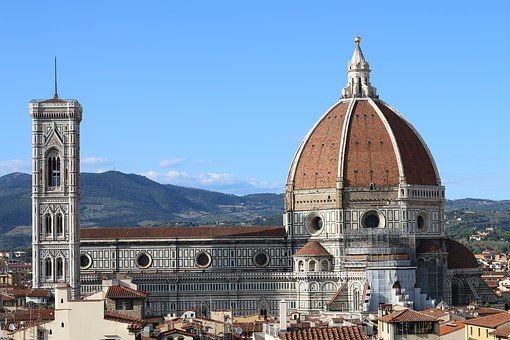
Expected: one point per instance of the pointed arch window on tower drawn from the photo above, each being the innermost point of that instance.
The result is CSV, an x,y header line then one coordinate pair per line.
x,y
60,268
356,299
60,225
48,224
53,170
48,268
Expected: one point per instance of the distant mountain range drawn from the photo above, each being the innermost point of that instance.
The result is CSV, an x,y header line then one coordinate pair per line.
x,y
113,198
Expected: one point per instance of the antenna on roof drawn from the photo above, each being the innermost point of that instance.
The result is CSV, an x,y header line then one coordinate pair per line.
x,y
55,95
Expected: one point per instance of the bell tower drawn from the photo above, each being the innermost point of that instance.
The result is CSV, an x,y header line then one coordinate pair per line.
x,y
56,192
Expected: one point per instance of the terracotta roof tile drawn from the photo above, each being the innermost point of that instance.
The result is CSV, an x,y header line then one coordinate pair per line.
x,y
249,326
122,318
321,148
502,332
312,248
177,331
116,292
28,314
490,321
418,165
435,312
374,135
370,156
133,322
30,292
483,311
6,298
325,333
407,315
181,232
450,327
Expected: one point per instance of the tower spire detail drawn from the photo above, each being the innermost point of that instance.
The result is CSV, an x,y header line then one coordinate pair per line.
x,y
358,76
55,95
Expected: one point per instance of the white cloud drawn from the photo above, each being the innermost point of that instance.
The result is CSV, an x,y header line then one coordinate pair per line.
x,y
172,174
264,184
224,182
150,174
216,178
95,164
14,165
166,163
93,160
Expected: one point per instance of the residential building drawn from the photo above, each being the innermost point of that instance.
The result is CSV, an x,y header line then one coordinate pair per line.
x,y
407,324
115,312
481,328
453,330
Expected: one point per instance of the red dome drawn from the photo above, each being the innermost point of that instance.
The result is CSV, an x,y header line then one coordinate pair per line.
x,y
360,141
459,256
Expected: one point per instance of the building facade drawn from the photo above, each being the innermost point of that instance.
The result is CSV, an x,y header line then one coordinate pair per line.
x,y
363,225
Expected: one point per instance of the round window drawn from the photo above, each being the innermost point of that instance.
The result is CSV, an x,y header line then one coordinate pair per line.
x,y
372,219
422,221
85,261
203,259
314,223
143,260
261,259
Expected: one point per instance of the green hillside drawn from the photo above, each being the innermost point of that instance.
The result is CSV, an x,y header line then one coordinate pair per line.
x,y
116,199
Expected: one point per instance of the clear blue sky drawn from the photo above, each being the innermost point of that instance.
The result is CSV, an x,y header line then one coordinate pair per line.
x,y
218,94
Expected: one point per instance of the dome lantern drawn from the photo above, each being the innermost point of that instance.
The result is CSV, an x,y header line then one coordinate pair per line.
x,y
358,76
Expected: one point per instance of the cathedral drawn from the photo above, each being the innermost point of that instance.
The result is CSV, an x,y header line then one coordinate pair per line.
x,y
363,224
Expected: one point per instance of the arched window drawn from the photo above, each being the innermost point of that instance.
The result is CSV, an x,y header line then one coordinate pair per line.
x,y
60,224
455,294
301,266
311,266
356,298
324,266
60,268
48,268
48,224
53,170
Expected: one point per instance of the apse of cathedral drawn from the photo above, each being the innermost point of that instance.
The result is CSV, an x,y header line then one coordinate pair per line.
x,y
363,224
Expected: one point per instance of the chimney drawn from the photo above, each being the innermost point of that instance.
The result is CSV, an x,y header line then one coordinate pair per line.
x,y
283,316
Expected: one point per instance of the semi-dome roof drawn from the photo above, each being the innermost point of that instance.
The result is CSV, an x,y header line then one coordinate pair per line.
x,y
311,249
459,256
361,140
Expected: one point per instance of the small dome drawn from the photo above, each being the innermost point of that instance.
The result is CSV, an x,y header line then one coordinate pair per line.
x,y
313,248
459,256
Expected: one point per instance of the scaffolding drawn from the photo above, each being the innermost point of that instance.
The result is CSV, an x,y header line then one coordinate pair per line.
x,y
378,250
